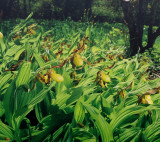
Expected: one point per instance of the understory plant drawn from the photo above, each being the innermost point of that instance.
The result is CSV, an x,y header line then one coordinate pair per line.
x,y
75,88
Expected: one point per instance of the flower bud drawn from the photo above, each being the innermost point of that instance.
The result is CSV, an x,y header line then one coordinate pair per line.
x,y
85,46
81,43
123,93
1,35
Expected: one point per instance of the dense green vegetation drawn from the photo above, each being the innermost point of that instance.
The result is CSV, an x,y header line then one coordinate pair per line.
x,y
73,81
61,9
67,77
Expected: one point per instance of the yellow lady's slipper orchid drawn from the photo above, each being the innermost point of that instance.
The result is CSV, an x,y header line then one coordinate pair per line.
x,y
77,60
33,31
41,78
46,78
121,57
146,99
56,77
81,43
101,83
85,46
1,35
104,77
123,93
110,57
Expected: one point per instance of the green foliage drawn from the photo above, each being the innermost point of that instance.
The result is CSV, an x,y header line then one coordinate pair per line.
x,y
84,106
107,10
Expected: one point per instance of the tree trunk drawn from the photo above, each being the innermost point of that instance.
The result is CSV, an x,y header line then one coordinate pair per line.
x,y
152,35
134,42
140,23
135,25
134,13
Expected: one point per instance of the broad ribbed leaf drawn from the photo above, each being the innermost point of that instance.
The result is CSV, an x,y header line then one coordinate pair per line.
x,y
52,123
16,56
61,100
76,94
23,74
79,112
39,59
12,51
21,113
4,79
144,87
128,135
6,131
82,134
2,110
152,133
127,113
9,101
75,40
102,125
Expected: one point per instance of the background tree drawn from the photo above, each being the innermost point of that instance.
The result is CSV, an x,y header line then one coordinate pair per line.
x,y
62,9
136,14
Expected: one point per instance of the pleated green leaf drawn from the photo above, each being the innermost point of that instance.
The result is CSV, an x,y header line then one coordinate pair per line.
x,y
52,123
82,134
5,78
23,74
102,125
21,113
152,132
39,59
79,112
76,94
127,113
9,101
6,131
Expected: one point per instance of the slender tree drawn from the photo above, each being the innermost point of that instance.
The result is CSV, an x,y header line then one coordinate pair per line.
x,y
135,14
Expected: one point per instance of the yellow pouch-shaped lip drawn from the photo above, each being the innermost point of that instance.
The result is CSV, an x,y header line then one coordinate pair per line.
x,y
77,61
105,77
146,99
1,35
57,77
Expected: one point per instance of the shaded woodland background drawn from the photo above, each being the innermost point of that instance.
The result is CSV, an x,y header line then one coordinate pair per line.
x,y
101,10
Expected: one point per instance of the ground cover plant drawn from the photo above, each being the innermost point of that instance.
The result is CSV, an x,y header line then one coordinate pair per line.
x,y
76,84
